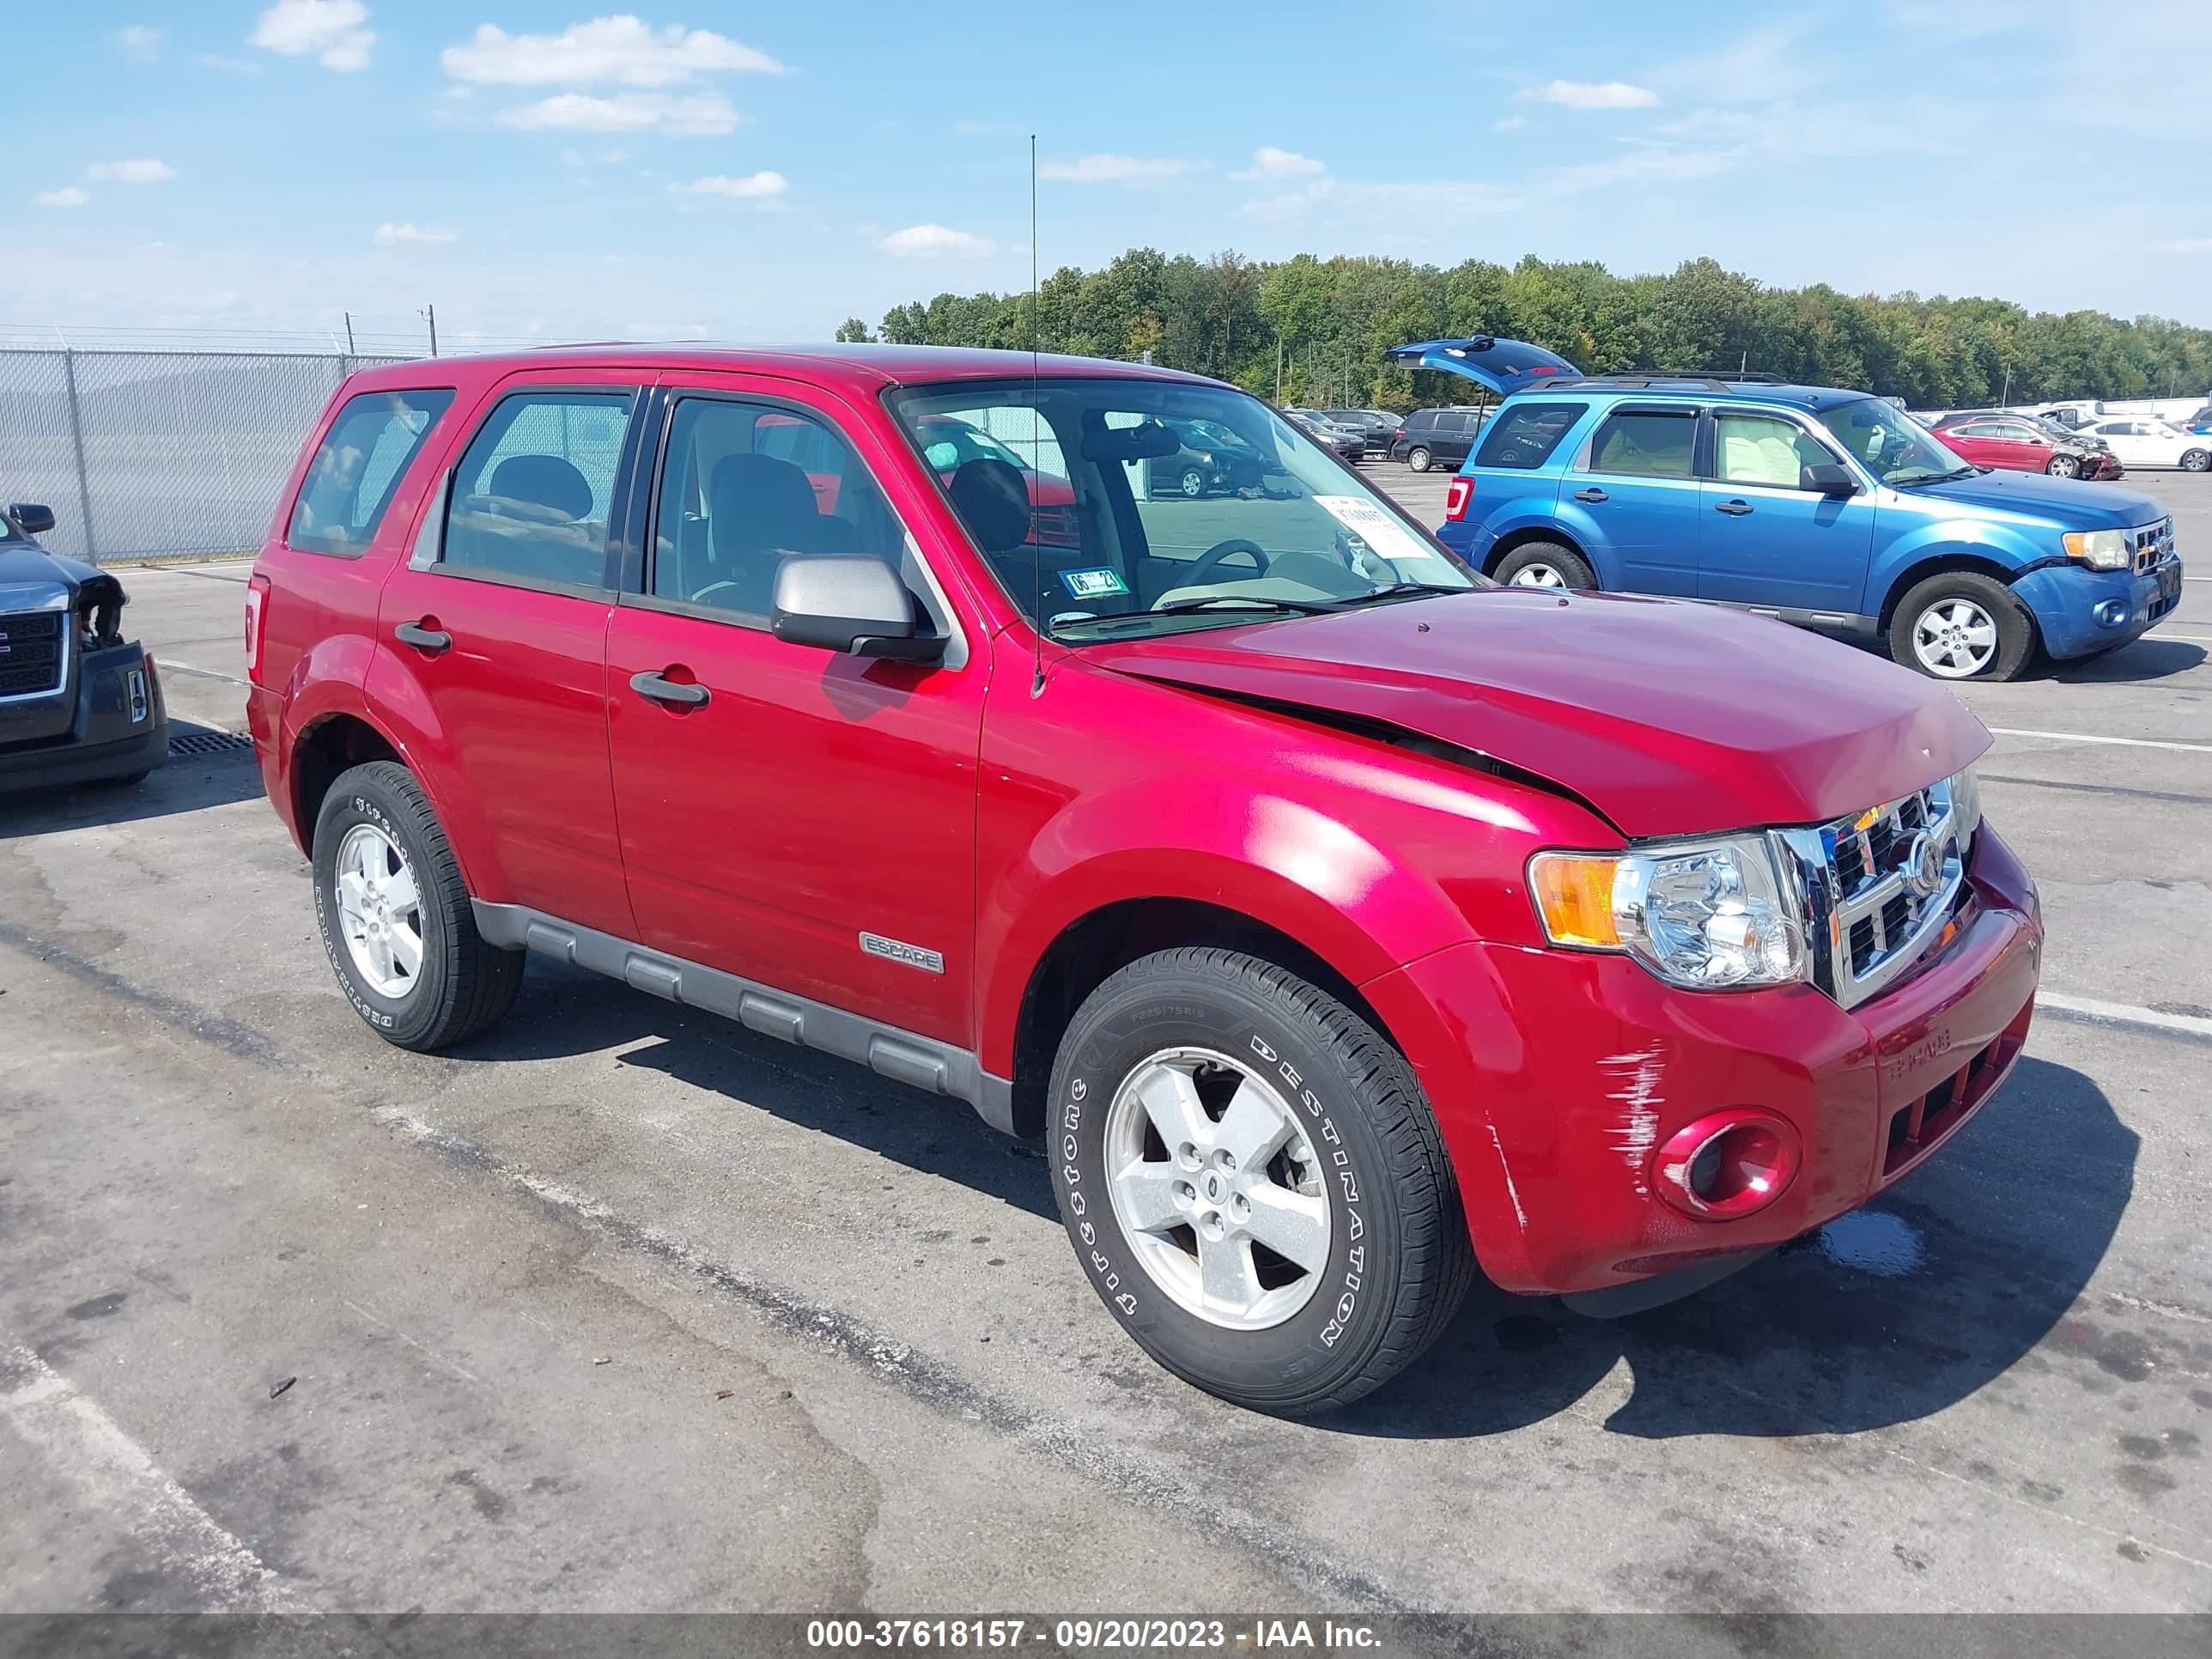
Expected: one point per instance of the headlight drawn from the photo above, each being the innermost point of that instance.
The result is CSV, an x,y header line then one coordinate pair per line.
x,y
1966,791
1708,915
2100,549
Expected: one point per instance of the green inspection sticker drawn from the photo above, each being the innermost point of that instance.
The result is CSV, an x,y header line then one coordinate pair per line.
x,y
1093,584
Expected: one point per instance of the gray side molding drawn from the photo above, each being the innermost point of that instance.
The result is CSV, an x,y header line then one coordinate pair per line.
x,y
900,1055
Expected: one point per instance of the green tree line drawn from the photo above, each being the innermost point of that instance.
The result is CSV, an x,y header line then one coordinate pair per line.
x,y
1309,331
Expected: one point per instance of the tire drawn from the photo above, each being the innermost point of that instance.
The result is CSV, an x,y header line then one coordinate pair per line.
x,y
2196,460
1418,457
2064,466
1952,601
1389,1264
1193,482
1545,564
460,986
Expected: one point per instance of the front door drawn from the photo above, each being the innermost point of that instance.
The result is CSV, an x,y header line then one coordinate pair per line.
x,y
1762,539
495,636
1633,499
797,817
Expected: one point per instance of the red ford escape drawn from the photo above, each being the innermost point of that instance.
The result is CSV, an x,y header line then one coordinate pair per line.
x,y
1343,923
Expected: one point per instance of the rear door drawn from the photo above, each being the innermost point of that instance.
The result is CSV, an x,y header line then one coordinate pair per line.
x,y
1764,539
1504,366
495,629
1631,497
2018,446
1973,441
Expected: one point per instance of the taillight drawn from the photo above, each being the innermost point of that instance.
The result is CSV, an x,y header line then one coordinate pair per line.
x,y
1457,494
257,593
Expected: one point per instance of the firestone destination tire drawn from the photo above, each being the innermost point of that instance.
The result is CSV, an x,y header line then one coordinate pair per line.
x,y
1254,1182
394,915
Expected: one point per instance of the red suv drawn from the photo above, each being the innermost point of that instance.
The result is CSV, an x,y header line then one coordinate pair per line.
x,y
1342,922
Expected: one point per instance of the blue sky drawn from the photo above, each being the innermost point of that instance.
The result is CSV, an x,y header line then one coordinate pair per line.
x,y
539,169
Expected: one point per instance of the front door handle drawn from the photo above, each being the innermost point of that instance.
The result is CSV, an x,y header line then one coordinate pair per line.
x,y
1592,493
430,642
1734,509
676,693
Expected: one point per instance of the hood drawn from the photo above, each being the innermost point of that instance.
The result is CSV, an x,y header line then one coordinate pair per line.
x,y
25,564
2067,502
1671,719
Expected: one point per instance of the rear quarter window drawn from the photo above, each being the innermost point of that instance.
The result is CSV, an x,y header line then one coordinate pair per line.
x,y
358,468
1524,435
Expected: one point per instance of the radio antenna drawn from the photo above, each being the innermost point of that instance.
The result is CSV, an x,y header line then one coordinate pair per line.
x,y
1037,440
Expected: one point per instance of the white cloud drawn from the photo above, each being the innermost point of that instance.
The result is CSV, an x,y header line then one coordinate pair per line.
x,y
67,196
622,50
1269,162
144,170
1510,123
1117,169
391,235
744,187
141,40
1596,95
331,29
692,115
2187,245
933,241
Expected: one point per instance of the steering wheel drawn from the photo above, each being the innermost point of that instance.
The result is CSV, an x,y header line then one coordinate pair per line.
x,y
704,595
1212,558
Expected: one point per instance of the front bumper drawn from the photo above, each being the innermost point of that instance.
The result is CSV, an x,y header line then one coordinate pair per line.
x,y
2067,600
1556,1076
117,727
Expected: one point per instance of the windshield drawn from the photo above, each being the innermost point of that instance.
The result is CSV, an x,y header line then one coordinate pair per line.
x,y
1892,445
1153,543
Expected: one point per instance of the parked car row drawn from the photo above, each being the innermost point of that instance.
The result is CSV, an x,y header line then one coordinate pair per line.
x,y
1825,507
2027,443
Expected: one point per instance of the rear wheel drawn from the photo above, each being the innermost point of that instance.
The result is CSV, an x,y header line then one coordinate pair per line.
x,y
2196,460
1193,482
2064,466
1254,1181
394,914
1419,458
1962,626
1545,564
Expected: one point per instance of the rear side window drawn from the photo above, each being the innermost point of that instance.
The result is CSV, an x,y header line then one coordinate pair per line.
x,y
358,466
532,494
1649,443
1525,434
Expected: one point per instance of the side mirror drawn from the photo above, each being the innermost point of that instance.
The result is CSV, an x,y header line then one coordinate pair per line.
x,y
31,518
857,605
1828,478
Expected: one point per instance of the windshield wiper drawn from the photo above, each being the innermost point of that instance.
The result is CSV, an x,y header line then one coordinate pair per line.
x,y
1406,590
1936,477
1303,607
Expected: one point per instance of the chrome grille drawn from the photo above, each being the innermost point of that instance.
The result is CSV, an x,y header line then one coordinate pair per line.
x,y
33,646
1878,887
2152,544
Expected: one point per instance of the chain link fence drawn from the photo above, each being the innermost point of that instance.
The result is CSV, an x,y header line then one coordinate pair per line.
x,y
158,454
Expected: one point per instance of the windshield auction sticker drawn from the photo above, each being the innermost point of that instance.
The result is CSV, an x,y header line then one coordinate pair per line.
x,y
1384,535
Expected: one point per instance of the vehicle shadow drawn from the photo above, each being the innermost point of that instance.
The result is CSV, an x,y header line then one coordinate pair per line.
x,y
567,1011
186,783
2142,659
1900,1310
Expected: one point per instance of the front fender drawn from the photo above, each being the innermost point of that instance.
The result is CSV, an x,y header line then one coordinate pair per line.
x,y
2009,548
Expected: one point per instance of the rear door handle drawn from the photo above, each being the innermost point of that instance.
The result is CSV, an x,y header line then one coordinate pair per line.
x,y
431,641
1589,495
676,693
1734,509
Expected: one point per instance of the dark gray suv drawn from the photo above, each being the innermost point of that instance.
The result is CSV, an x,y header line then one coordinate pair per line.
x,y
1438,437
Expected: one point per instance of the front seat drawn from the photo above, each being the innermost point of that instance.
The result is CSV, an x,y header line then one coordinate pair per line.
x,y
550,536
992,501
758,510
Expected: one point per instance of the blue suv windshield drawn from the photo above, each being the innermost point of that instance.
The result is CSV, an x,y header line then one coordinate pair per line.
x,y
1896,448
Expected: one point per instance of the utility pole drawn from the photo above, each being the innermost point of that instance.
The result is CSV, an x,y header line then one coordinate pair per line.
x,y
349,322
431,311
1278,368
2005,397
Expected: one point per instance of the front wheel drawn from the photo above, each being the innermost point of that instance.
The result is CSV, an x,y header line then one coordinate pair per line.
x,y
1962,626
1545,564
1419,458
1254,1182
2064,466
1193,482
2197,460
394,915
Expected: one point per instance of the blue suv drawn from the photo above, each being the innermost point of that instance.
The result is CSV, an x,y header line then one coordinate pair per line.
x,y
1828,508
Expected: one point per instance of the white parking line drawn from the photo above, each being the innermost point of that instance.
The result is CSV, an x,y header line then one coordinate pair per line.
x,y
2094,737
164,663
2125,1013
121,1484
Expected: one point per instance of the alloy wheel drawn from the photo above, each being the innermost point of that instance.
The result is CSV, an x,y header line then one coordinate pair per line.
x,y
1538,575
380,911
1217,1189
1954,639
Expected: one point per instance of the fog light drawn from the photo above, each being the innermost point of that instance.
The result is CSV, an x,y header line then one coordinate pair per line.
x,y
1726,1164
2111,613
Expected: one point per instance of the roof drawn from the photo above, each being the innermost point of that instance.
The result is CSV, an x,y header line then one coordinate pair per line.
x,y
867,367
1710,390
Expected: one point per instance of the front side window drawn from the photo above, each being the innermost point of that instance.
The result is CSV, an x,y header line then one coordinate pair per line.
x,y
1092,508
533,493
1758,449
358,468
1523,436
1890,444
1650,443
745,485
